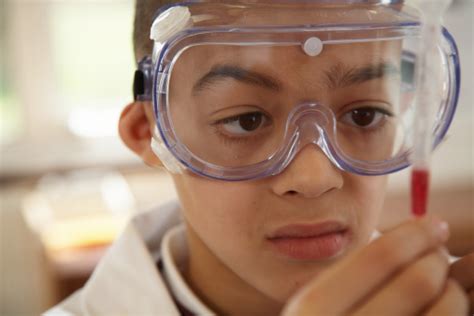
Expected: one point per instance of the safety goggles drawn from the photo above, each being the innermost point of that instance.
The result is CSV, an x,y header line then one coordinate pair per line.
x,y
239,88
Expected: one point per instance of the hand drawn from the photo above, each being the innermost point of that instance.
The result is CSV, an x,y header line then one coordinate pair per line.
x,y
463,272
404,272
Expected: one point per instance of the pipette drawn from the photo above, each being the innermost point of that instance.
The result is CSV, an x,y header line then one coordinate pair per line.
x,y
428,96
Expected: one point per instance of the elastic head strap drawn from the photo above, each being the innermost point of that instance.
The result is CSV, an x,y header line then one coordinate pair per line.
x,y
142,81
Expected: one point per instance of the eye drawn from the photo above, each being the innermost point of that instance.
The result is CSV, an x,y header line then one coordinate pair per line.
x,y
244,123
366,117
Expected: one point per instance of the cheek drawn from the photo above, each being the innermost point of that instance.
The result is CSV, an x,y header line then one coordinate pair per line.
x,y
214,208
368,193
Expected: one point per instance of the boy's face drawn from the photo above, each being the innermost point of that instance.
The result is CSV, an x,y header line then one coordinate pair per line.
x,y
275,233
231,223
278,232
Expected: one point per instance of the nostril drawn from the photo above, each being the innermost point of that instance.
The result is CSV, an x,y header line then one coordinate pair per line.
x,y
292,192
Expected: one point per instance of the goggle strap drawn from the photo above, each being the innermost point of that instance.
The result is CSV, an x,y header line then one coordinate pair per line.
x,y
142,81
162,152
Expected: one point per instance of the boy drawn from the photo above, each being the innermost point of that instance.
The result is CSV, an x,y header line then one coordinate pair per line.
x,y
278,135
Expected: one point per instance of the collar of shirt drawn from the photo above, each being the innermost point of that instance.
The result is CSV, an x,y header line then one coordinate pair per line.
x,y
174,256
126,281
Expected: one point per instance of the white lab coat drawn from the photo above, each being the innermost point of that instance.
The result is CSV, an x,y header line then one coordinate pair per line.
x,y
127,281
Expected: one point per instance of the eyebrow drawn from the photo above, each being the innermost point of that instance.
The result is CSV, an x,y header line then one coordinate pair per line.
x,y
222,72
338,76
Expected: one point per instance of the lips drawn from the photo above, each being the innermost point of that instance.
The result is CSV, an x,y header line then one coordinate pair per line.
x,y
310,242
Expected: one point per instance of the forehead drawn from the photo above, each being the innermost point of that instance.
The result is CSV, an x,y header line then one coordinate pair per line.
x,y
289,64
307,19
257,13
292,53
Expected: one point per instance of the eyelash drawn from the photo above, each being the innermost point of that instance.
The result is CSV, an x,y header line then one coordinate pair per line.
x,y
233,140
368,129
228,140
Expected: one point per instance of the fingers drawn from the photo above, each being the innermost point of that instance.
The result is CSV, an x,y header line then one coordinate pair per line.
x,y
463,272
470,296
412,290
354,279
453,302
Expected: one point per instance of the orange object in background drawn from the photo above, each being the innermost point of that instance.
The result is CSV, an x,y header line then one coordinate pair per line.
x,y
76,216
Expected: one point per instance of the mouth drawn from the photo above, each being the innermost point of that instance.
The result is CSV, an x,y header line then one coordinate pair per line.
x,y
319,241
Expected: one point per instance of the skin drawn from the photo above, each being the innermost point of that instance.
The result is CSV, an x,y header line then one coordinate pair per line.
x,y
231,247
234,270
419,266
310,190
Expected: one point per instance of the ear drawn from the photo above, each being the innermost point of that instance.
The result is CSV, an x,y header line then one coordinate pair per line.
x,y
135,129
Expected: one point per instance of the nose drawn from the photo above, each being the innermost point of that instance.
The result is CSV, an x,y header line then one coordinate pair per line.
x,y
311,120
310,175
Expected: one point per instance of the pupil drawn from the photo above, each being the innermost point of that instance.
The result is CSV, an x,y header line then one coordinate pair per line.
x,y
363,117
250,122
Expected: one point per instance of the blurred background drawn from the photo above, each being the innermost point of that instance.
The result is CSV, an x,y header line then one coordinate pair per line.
x,y
67,184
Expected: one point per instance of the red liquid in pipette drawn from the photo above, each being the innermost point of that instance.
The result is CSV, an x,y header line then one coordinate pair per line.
x,y
419,191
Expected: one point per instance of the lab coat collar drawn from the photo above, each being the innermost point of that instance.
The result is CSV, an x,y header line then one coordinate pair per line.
x,y
175,254
117,286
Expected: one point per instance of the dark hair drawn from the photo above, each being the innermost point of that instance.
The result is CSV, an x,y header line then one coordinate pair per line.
x,y
144,12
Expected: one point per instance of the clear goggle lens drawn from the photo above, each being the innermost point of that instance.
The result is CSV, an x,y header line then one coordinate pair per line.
x,y
248,103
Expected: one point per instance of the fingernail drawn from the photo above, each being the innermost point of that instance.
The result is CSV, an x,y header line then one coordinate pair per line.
x,y
441,228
